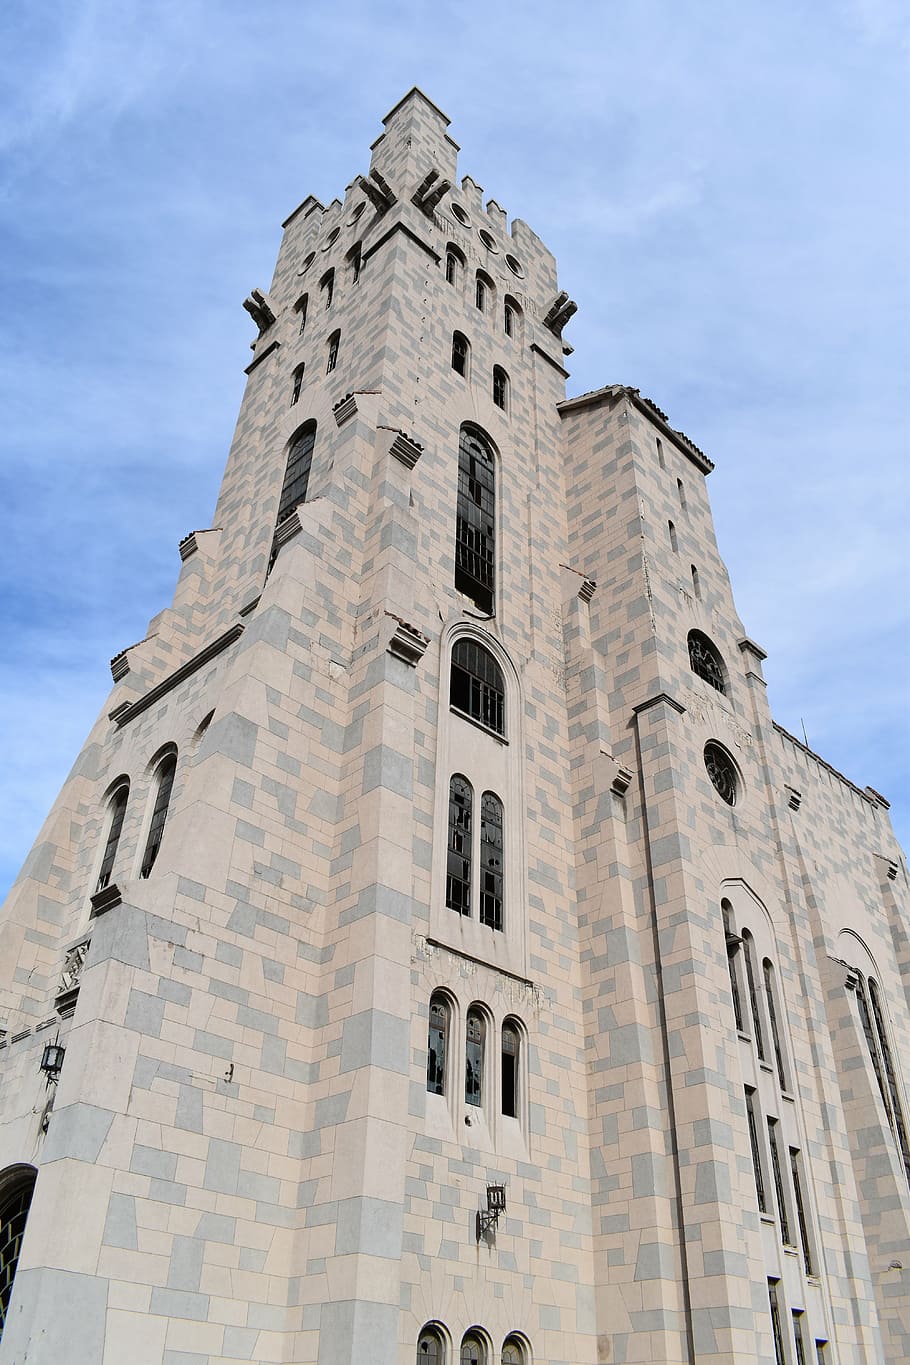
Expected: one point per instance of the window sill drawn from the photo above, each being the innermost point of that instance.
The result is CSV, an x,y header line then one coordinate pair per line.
x,y
767,1219
788,1095
763,1066
479,725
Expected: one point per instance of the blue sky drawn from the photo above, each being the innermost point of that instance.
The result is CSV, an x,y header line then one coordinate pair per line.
x,y
724,185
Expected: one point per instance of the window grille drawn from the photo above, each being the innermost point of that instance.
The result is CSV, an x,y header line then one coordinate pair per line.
x,y
491,861
297,472
117,812
473,1070
722,772
429,1350
166,773
512,1353
13,1217
436,1046
704,659
798,1339
475,530
458,866
477,686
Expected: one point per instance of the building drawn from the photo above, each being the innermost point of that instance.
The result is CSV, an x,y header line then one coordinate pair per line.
x,y
437,953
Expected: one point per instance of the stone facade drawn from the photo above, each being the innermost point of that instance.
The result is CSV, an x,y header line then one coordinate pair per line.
x,y
246,1156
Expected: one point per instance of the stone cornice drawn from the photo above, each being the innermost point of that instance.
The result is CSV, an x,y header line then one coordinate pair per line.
x,y
258,359
122,715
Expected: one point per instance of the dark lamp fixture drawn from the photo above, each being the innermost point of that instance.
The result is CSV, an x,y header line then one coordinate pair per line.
x,y
489,1217
52,1060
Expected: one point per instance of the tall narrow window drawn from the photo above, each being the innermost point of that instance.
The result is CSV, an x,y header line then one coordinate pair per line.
x,y
477,688
461,351
776,1330
799,1342
508,319
705,660
483,291
500,388
355,261
799,1200
14,1207
473,1066
475,528
300,307
682,494
298,381
756,1151
166,772
897,1113
696,587
331,359
674,543
454,265
866,1021
821,1353
753,995
491,861
458,864
472,1352
116,813
510,1052
777,1172
297,471
436,1045
660,454
327,285
768,973
732,943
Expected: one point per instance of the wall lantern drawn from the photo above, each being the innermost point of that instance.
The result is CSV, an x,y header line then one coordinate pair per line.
x,y
52,1060
489,1217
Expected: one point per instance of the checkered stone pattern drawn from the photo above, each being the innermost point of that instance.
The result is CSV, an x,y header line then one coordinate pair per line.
x,y
241,1160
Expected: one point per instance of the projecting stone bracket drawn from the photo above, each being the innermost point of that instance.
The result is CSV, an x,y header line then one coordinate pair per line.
x,y
428,193
559,312
260,309
405,641
378,191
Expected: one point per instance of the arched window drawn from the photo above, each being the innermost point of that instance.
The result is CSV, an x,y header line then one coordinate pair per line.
x,y
331,359
15,1198
300,307
454,265
671,530
473,1061
436,1044
484,291
430,1348
513,1351
754,1007
722,771
166,771
475,529
297,473
461,353
298,381
511,317
768,975
511,1043
732,943
660,454
696,588
327,285
477,688
500,388
883,1065
491,861
682,494
116,812
458,865
705,660
355,261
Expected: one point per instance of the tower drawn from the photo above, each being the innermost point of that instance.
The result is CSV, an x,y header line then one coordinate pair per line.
x,y
452,960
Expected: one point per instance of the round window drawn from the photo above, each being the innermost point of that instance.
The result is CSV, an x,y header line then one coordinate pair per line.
x,y
307,263
488,240
515,266
332,237
460,214
722,772
356,214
